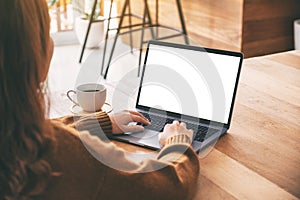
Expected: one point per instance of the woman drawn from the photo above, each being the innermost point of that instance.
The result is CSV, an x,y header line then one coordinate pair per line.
x,y
50,159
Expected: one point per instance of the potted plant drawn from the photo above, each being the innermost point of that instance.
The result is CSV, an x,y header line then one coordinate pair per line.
x,y
82,18
96,34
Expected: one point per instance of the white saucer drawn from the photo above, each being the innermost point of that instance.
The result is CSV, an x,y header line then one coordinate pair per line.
x,y
76,109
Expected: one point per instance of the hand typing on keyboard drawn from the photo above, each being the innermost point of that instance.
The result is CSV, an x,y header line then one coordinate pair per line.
x,y
174,129
120,122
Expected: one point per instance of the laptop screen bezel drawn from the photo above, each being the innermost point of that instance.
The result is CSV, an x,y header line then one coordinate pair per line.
x,y
195,48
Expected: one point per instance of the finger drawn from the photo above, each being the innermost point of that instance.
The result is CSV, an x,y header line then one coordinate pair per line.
x,y
176,122
161,139
135,128
137,118
183,124
166,127
138,114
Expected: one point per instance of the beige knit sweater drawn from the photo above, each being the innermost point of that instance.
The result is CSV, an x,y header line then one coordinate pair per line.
x,y
84,162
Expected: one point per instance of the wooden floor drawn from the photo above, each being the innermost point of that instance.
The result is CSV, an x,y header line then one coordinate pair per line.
x,y
223,30
253,27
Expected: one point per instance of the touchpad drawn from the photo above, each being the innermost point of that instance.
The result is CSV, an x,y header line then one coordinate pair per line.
x,y
146,134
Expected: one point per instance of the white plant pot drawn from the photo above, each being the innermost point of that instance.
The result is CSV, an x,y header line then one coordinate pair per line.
x,y
96,34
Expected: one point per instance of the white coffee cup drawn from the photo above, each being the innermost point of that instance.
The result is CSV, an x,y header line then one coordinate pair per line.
x,y
90,97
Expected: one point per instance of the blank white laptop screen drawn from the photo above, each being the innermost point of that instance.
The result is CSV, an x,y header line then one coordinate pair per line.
x,y
189,82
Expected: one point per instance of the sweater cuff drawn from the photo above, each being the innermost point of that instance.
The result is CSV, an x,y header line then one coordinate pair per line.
x,y
175,144
174,148
178,139
105,122
95,123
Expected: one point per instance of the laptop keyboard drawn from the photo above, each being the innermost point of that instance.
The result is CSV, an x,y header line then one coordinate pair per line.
x,y
158,123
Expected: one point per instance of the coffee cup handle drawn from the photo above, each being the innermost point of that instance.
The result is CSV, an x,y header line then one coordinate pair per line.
x,y
68,95
110,107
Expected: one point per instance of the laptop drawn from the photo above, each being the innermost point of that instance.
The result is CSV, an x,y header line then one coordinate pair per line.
x,y
190,84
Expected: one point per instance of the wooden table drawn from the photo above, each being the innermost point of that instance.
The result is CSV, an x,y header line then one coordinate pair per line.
x,y
259,158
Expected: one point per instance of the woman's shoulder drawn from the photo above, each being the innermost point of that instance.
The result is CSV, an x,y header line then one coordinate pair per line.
x,y
79,145
62,130
68,146
102,151
67,135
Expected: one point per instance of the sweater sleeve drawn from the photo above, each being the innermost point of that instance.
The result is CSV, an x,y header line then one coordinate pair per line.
x,y
172,174
95,123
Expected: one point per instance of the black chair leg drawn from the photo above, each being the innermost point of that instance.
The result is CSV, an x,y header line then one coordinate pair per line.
x,y
142,39
156,17
182,21
88,30
116,37
146,20
106,37
130,28
149,19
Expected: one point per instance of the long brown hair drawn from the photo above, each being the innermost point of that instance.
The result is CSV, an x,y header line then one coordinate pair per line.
x,y
25,136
